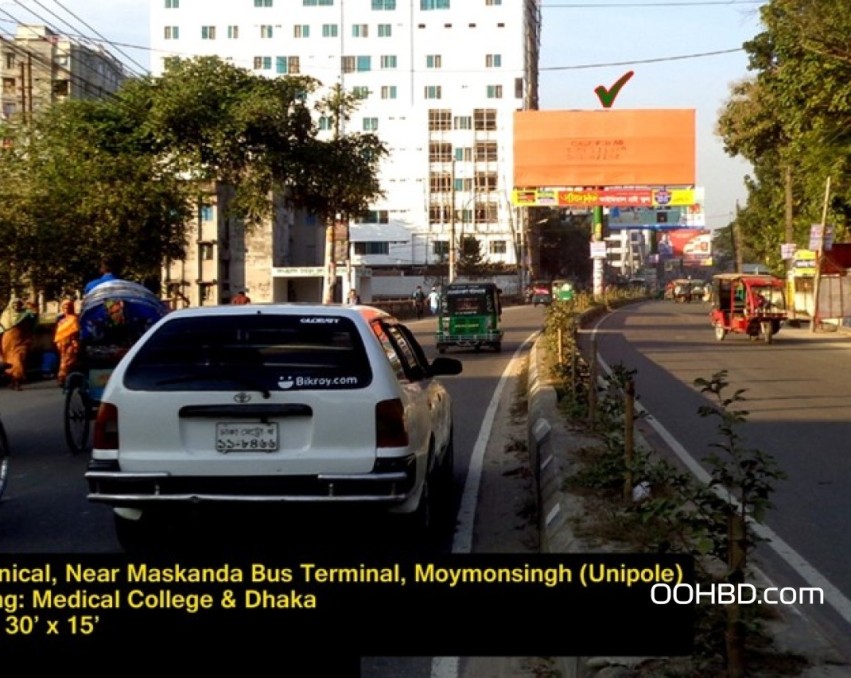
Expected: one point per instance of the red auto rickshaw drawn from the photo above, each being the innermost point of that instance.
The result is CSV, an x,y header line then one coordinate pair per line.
x,y
754,305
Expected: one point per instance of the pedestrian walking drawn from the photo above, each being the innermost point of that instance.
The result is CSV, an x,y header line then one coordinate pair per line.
x,y
419,301
434,300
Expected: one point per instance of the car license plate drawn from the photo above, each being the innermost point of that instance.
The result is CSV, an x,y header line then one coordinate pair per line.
x,y
246,437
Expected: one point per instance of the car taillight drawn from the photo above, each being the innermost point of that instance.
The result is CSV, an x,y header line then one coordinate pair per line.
x,y
390,428
106,427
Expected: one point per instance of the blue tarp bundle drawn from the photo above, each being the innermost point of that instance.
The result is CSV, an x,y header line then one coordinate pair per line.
x,y
119,312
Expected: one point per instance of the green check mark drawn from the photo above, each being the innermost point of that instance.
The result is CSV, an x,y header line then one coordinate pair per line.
x,y
607,96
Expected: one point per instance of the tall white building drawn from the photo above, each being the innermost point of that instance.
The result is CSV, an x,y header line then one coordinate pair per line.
x,y
439,81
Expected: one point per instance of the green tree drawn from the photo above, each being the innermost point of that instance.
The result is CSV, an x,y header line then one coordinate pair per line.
x,y
121,176
791,121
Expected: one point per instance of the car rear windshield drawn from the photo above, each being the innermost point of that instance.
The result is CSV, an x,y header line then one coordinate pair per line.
x,y
254,351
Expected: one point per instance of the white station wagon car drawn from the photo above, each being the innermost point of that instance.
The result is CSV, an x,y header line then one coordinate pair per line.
x,y
273,403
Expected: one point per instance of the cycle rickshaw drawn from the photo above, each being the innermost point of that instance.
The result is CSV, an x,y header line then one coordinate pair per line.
x,y
114,315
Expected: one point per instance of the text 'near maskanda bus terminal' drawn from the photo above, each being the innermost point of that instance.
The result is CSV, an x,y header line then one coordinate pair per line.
x,y
587,574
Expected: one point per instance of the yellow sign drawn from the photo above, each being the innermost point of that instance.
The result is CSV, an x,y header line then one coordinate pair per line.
x,y
603,197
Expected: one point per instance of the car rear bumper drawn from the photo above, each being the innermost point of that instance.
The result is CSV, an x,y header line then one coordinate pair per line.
x,y
110,486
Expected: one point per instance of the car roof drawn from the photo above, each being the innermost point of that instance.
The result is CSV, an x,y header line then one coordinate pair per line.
x,y
288,308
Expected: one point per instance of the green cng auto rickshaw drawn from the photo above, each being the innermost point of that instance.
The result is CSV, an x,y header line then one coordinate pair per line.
x,y
469,316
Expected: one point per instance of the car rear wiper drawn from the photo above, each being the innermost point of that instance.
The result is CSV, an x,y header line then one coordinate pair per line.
x,y
208,376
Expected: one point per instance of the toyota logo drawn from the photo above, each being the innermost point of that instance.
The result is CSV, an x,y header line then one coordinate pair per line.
x,y
242,397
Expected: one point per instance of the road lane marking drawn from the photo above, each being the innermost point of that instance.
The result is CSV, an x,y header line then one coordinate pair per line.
x,y
462,542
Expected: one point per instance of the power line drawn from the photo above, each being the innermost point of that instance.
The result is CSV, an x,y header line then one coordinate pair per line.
x,y
67,23
643,61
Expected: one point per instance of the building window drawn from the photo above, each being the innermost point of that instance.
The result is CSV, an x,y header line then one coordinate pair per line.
x,y
493,60
233,32
498,247
464,185
426,5
360,31
462,122
324,122
348,64
319,3
490,3
485,181
484,119
205,290
494,91
464,154
293,65
10,59
9,85
266,32
281,65
486,151
367,248
439,120
370,124
206,212
388,61
388,92
433,61
464,216
485,213
385,30
383,4
439,151
440,248
208,32
171,32
364,64
432,92
205,251
263,63
301,31
262,3
440,182
329,30
360,92
61,88
374,217
172,4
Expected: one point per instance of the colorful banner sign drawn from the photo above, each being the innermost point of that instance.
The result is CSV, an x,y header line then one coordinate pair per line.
x,y
692,245
607,197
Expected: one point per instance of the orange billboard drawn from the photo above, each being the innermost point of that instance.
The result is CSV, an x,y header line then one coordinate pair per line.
x,y
641,147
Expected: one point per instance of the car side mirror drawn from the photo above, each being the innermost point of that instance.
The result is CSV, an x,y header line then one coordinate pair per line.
x,y
446,366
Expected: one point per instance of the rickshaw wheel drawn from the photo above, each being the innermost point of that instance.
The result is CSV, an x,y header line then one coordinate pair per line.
x,y
77,418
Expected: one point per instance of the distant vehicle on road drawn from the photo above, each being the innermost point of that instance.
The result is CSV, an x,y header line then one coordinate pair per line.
x,y
469,317
754,305
542,292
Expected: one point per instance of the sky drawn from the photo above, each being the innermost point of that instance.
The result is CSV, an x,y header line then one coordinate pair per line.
x,y
682,54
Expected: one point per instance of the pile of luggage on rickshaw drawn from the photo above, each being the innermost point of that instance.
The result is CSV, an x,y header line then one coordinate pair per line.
x,y
113,316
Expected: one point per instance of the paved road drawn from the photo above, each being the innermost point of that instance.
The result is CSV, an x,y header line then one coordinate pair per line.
x,y
797,393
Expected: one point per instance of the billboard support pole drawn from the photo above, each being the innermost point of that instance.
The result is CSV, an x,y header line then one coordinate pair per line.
x,y
598,263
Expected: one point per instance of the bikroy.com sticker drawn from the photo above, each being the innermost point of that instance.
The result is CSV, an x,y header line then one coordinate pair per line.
x,y
289,382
